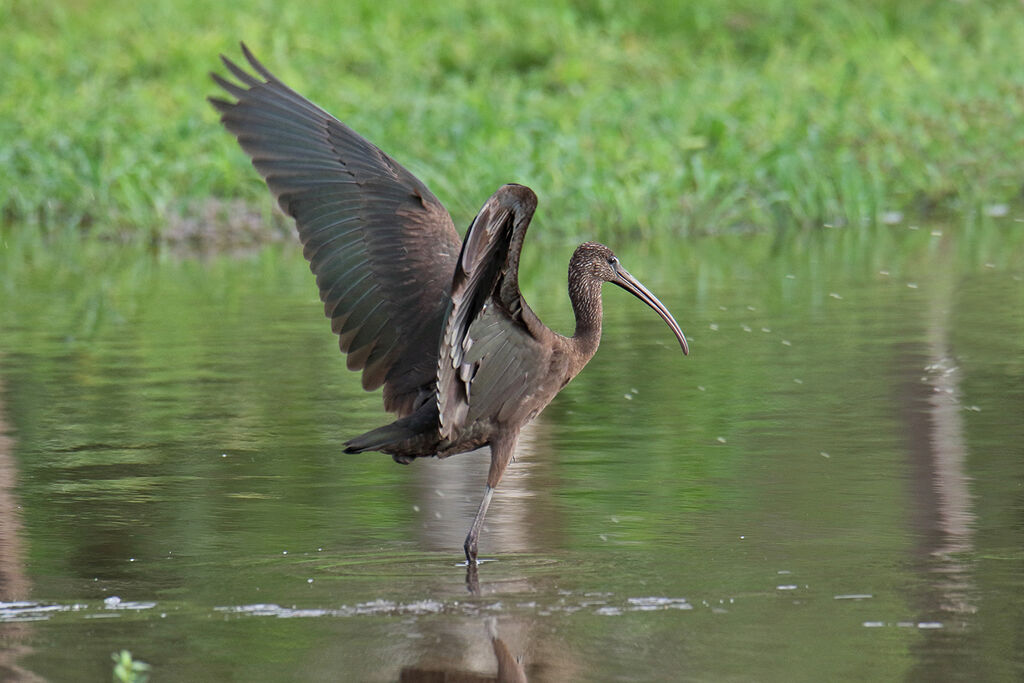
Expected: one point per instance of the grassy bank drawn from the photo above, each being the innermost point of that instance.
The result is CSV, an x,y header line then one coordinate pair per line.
x,y
627,121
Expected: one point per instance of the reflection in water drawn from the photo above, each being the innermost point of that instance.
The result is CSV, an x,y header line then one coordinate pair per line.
x,y
943,516
13,582
164,462
953,504
510,668
14,585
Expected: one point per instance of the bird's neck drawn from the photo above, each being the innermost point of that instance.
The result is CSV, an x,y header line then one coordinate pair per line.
x,y
585,295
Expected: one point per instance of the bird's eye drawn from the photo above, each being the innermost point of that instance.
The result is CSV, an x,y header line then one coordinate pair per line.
x,y
613,261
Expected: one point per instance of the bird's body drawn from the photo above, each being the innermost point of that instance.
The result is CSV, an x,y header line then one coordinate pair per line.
x,y
463,360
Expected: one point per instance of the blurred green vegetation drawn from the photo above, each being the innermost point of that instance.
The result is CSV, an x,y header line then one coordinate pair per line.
x,y
668,119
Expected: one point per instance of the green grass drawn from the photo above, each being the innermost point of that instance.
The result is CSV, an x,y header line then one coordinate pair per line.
x,y
669,120
129,670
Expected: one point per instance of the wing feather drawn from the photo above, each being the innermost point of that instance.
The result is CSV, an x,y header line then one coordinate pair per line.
x,y
470,382
381,245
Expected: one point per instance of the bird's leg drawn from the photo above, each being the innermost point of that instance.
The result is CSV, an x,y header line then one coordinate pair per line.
x,y
501,452
474,529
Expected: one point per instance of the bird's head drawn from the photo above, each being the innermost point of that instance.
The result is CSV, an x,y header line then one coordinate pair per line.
x,y
600,263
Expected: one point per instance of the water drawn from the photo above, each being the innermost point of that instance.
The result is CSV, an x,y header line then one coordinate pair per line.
x,y
829,487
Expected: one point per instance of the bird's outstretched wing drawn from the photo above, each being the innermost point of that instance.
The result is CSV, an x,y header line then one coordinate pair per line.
x,y
490,334
381,245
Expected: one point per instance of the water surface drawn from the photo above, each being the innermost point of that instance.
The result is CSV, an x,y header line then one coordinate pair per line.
x,y
829,487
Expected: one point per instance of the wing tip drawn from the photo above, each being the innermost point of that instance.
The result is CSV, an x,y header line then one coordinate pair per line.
x,y
221,105
255,63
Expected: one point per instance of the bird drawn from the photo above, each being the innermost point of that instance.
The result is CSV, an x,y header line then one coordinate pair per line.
x,y
438,322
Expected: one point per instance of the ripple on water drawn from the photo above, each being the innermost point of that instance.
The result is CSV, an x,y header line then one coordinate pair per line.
x,y
422,564
30,611
36,611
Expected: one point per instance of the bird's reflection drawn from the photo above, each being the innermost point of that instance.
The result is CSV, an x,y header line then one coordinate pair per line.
x,y
510,668
473,578
508,648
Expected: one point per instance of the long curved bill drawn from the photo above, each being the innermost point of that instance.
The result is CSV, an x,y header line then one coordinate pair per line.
x,y
632,285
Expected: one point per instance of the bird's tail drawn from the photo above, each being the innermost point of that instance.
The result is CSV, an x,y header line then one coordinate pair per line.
x,y
380,438
405,439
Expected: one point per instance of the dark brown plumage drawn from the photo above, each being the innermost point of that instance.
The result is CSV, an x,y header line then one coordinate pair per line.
x,y
442,326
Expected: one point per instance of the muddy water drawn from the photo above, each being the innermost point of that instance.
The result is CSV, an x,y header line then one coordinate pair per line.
x,y
828,488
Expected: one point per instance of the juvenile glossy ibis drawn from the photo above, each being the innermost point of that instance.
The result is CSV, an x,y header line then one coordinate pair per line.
x,y
463,360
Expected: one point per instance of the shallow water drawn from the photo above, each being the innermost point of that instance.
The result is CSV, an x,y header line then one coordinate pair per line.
x,y
829,487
